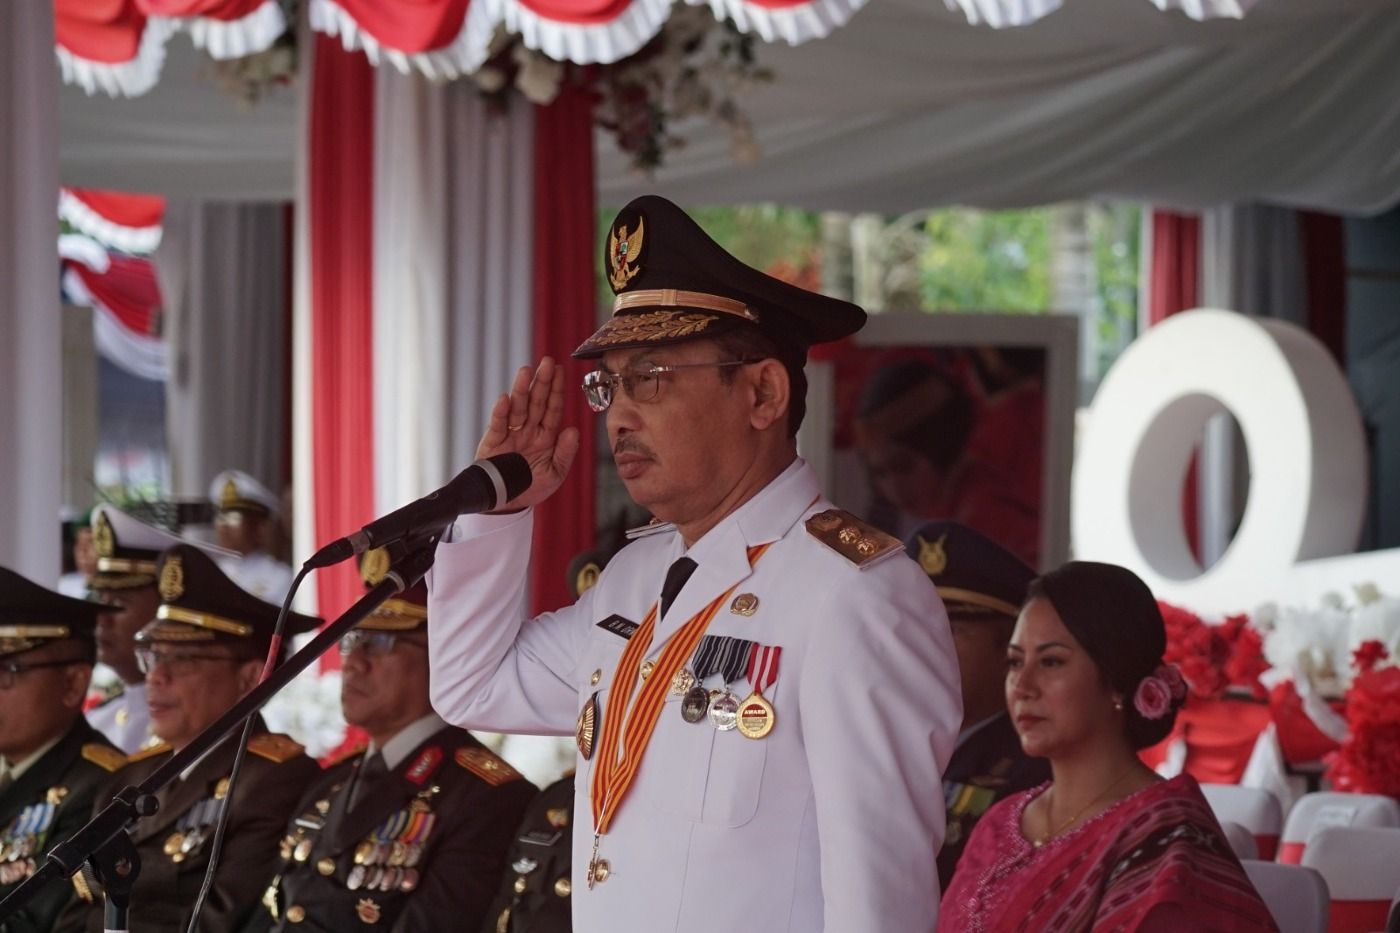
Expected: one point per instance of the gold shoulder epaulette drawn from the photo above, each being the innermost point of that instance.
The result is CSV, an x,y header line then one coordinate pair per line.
x,y
150,751
275,747
854,539
104,756
346,754
486,765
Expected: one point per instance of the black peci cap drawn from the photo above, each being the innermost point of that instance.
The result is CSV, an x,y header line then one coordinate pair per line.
x,y
199,603
674,283
974,575
32,616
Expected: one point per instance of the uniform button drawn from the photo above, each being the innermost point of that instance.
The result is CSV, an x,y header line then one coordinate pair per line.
x,y
563,888
597,676
296,913
647,667
326,866
520,884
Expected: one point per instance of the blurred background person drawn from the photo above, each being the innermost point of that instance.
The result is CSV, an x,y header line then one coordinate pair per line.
x,y
51,760
244,519
79,557
411,833
124,578
1119,847
982,586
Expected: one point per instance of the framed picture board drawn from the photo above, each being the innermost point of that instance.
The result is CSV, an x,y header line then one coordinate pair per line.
x,y
968,417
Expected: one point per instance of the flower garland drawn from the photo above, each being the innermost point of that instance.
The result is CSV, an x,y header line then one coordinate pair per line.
x,y
1368,761
1215,658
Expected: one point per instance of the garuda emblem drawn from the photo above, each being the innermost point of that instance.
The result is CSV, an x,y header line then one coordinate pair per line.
x,y
624,253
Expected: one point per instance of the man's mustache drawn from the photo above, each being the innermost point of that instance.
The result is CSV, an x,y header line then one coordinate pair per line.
x,y
631,445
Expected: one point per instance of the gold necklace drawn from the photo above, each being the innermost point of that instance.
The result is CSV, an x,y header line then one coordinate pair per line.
x,y
1072,820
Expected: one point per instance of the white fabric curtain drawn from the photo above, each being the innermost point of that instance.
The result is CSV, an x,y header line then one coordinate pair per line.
x,y
1251,261
452,288
223,276
31,349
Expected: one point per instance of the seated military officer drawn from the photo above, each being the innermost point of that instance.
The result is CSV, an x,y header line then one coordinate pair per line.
x,y
125,579
983,586
411,833
204,651
51,760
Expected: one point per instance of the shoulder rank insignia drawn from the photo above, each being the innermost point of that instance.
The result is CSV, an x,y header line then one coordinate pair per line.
x,y
150,751
858,541
653,527
275,747
345,754
486,765
104,756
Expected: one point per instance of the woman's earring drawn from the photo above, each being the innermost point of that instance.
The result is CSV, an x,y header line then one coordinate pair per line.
x,y
1118,705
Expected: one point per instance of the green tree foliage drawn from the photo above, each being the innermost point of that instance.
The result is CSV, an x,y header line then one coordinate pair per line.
x,y
986,261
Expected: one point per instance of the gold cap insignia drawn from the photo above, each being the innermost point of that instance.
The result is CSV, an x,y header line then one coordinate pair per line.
x,y
933,557
374,566
172,579
228,497
624,251
103,540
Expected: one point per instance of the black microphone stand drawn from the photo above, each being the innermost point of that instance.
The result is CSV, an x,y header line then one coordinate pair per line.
x,y
103,841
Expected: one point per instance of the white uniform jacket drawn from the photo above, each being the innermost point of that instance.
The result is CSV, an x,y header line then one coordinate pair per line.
x,y
124,719
830,823
261,574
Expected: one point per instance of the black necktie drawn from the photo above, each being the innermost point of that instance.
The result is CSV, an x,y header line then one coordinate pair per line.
x,y
372,770
675,581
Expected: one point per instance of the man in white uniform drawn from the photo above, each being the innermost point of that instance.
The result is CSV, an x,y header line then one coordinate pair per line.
x,y
125,577
243,511
763,688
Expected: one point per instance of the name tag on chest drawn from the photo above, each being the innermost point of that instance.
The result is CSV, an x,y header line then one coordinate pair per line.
x,y
623,628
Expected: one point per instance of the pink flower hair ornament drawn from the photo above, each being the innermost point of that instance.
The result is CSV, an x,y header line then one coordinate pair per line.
x,y
1160,692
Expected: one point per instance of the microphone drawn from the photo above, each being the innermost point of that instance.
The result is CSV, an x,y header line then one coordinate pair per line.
x,y
481,487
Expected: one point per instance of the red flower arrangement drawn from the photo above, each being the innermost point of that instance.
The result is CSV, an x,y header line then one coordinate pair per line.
x,y
1213,658
1369,760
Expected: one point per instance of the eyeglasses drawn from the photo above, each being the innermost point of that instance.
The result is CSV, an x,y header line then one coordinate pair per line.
x,y
375,644
177,664
9,673
641,385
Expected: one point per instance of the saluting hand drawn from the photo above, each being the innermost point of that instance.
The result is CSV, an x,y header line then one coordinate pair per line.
x,y
526,421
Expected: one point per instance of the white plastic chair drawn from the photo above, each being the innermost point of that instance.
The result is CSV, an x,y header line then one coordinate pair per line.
x,y
1319,810
1296,896
1361,865
1257,810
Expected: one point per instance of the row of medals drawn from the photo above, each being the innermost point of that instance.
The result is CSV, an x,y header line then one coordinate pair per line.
x,y
28,828
753,717
180,844
380,865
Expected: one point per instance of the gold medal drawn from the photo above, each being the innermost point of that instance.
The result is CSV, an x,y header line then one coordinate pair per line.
x,y
756,717
363,852
682,682
173,843
587,727
398,854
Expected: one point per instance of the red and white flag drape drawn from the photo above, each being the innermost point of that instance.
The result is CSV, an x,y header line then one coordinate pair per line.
x,y
443,246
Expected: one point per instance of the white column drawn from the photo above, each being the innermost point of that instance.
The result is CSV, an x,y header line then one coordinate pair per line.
x,y
31,352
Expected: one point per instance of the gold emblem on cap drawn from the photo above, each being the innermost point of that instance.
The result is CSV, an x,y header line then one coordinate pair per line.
x,y
104,541
624,251
374,566
172,579
228,497
933,556
745,604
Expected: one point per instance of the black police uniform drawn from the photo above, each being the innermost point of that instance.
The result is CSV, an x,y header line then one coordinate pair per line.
x,y
53,798
201,606
421,849
536,892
